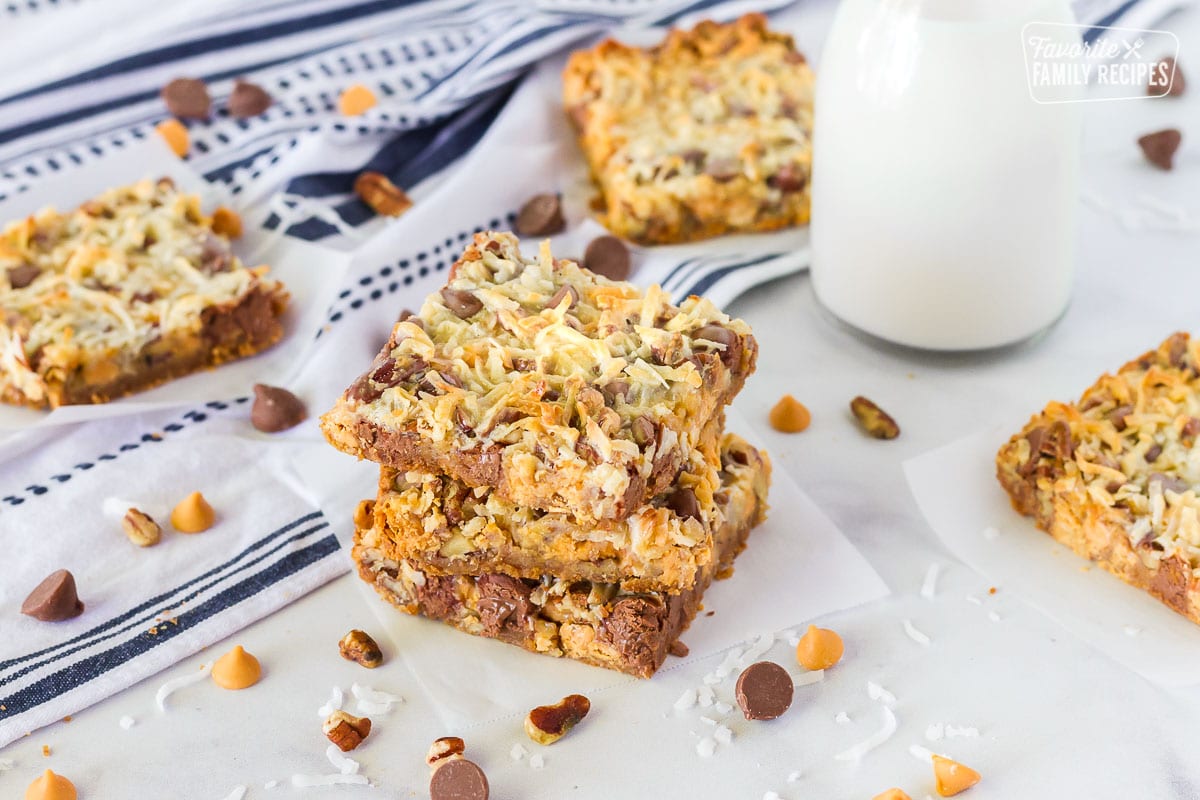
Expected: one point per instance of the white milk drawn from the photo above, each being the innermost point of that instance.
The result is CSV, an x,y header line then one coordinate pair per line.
x,y
943,196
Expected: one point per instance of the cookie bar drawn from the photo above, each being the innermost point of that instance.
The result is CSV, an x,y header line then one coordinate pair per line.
x,y
1116,476
708,133
557,388
603,624
131,289
453,529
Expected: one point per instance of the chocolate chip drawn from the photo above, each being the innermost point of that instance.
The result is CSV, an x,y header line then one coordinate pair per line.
x,y
187,98
732,354
695,157
462,304
54,599
1159,147
563,291
615,389
22,275
723,170
458,779
789,178
248,100
1170,483
764,690
684,503
1117,416
145,297
215,255
1166,79
643,431
1152,454
608,256
541,216
275,409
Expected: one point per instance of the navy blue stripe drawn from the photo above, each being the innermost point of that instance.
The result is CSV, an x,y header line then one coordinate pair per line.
x,y
694,7
1090,35
63,655
88,669
155,604
224,41
705,283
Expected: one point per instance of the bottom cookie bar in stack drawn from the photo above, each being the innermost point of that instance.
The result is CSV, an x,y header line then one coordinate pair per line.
x,y
605,624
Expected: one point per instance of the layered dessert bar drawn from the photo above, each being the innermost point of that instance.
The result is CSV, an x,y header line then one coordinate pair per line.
x,y
451,528
555,388
604,624
129,290
1116,475
708,133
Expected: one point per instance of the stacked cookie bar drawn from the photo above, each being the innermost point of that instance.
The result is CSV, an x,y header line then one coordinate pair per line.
x,y
554,467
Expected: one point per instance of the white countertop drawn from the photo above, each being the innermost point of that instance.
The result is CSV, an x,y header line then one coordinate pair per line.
x,y
1056,718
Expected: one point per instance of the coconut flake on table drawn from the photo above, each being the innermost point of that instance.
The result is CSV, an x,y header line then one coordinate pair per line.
x,y
877,692
914,634
706,747
1131,630
991,534
686,700
336,699
309,781
342,763
973,600
806,678
725,668
237,794
935,731
771,796
6,764
705,696
126,722
270,784
841,718
721,707
874,740
517,752
922,754
709,720
723,735
961,731
118,507
762,643
537,761
793,638
993,616
929,585
175,684
794,776
374,701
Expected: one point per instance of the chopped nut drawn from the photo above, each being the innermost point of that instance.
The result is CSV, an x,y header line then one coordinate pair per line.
x,y
875,420
141,529
346,730
953,777
383,196
548,724
359,647
819,648
447,748
789,415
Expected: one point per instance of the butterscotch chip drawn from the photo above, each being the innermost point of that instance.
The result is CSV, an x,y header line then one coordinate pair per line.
x,y
276,409
187,98
891,794
54,599
176,136
237,669
458,779
819,648
356,99
764,691
50,786
874,420
953,777
226,222
1159,147
790,415
383,196
248,100
193,514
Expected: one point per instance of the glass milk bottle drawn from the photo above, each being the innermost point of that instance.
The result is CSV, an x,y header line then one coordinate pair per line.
x,y
944,196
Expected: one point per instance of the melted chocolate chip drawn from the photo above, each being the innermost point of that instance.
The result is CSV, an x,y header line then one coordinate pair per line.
x,y
276,409
1153,452
22,275
608,256
541,216
732,353
684,503
462,304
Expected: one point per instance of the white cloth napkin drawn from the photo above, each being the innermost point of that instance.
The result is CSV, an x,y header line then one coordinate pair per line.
x,y
63,493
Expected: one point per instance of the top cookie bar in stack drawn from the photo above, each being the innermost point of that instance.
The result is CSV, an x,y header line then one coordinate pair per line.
x,y
557,388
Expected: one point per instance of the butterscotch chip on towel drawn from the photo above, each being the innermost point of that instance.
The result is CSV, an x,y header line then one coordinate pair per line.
x,y
556,388
708,133
1115,476
131,289
604,624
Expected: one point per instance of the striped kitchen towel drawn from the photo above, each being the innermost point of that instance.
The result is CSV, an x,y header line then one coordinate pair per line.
x,y
63,494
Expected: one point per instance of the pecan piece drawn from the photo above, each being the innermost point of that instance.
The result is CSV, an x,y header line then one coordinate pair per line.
x,y
141,528
346,730
383,196
874,420
359,647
